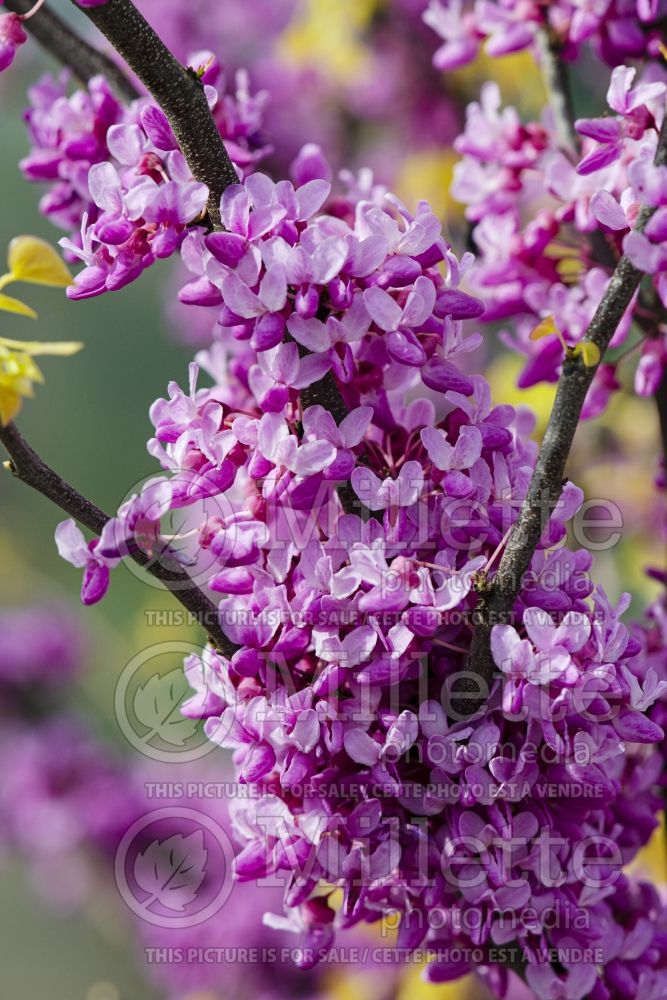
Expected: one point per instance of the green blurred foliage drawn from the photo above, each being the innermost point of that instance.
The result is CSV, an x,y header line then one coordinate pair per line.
x,y
90,422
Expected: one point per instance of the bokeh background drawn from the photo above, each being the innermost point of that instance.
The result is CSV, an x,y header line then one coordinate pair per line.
x,y
90,419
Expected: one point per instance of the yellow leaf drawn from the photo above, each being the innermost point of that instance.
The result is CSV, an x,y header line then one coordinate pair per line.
x,y
36,261
8,304
10,405
590,353
62,349
18,371
560,251
543,329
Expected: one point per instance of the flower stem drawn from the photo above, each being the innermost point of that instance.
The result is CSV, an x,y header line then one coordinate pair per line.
x,y
27,466
33,10
177,90
71,50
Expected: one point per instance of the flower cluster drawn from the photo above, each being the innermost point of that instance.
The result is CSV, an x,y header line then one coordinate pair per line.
x,y
116,172
342,492
525,197
67,799
631,136
354,77
347,486
13,34
651,634
63,795
618,30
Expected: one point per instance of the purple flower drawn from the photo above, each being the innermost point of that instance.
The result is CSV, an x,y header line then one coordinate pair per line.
x,y
618,30
390,493
402,324
73,547
541,658
634,118
648,250
68,134
350,552
12,36
458,31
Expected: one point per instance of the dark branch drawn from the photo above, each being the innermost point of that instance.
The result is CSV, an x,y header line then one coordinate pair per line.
x,y
176,89
71,50
27,466
181,97
496,602
661,403
559,92
558,85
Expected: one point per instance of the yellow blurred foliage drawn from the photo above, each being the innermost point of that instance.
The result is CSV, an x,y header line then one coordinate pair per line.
x,y
517,75
651,862
427,175
369,985
414,987
328,34
503,373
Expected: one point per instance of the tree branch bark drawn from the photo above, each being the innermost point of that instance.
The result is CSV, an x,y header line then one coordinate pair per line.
x,y
497,599
557,84
27,466
176,89
58,39
181,97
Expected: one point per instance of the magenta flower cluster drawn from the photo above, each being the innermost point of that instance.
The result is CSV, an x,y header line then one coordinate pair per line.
x,y
525,194
67,798
342,490
13,34
63,795
617,29
348,543
117,175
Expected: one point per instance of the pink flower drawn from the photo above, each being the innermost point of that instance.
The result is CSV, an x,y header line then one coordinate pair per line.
x,y
72,546
12,36
634,118
390,493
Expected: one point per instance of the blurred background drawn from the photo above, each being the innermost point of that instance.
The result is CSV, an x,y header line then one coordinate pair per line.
x,y
360,73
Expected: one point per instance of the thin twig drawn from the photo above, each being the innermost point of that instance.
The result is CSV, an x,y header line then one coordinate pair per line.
x,y
661,404
176,89
85,61
497,599
557,84
27,466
